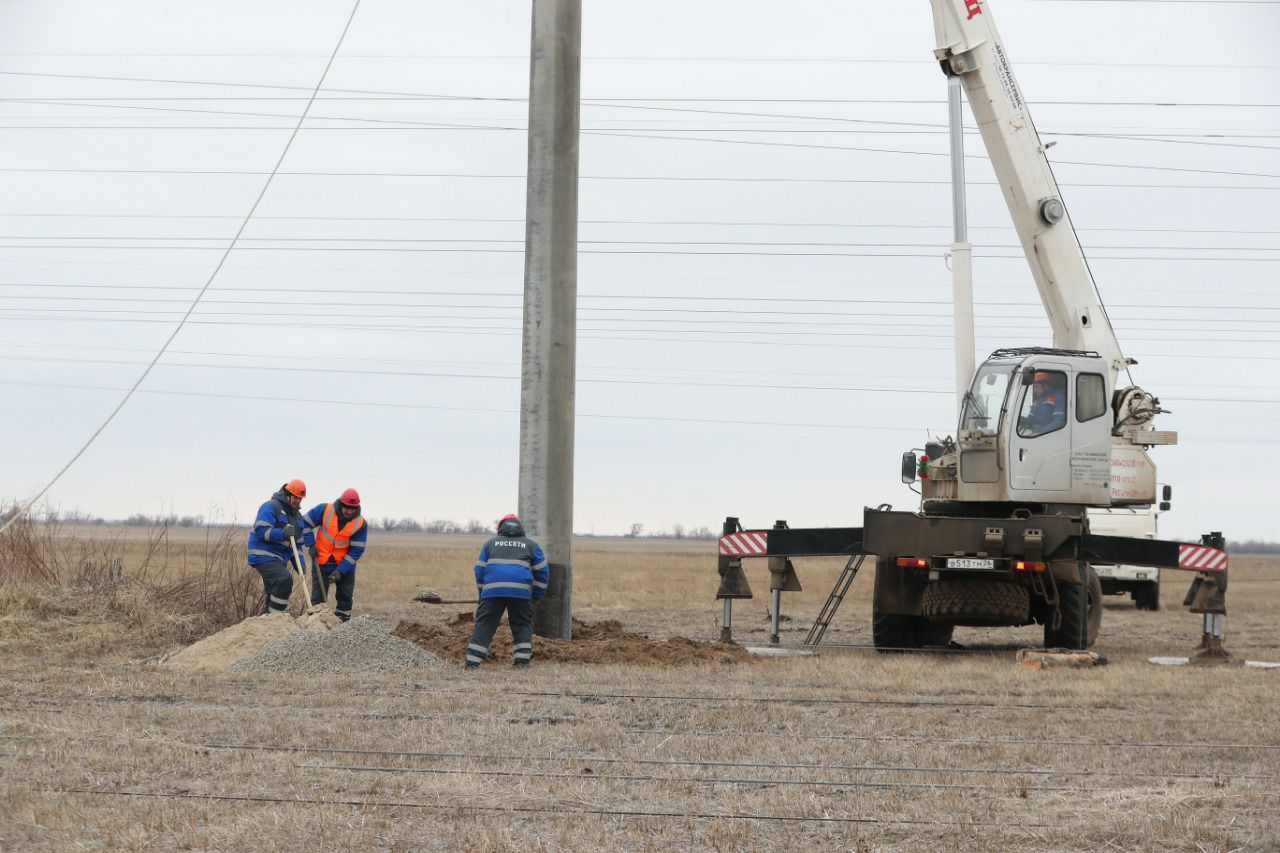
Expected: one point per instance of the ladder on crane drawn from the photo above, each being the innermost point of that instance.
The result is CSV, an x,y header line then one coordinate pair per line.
x,y
834,600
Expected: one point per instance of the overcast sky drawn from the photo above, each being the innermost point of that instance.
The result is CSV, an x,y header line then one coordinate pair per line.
x,y
764,309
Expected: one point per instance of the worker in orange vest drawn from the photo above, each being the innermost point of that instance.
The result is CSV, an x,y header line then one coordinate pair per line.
x,y
340,534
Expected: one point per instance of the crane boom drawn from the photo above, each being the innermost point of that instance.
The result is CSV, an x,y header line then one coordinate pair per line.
x,y
969,47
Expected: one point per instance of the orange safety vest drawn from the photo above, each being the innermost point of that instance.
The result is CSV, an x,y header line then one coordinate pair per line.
x,y
332,543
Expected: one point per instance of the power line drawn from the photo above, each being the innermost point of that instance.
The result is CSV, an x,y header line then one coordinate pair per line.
x,y
934,254
834,60
682,381
902,329
687,99
311,290
754,338
366,242
894,127
669,137
378,404
648,368
672,222
744,315
911,305
736,179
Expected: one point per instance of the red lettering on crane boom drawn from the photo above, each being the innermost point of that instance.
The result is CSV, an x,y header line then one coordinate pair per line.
x,y
973,7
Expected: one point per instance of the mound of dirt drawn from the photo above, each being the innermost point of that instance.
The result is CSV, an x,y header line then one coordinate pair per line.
x,y
219,651
593,642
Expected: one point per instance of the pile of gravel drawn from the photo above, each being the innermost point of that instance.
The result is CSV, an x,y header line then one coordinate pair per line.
x,y
358,646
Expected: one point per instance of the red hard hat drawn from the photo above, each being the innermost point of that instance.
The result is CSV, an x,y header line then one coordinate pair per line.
x,y
350,498
297,488
1041,376
508,517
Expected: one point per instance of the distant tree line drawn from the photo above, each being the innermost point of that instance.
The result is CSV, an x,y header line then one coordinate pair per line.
x,y
475,526
438,525
678,531
1254,546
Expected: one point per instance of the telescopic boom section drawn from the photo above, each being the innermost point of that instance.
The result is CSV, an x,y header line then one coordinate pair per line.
x,y
968,46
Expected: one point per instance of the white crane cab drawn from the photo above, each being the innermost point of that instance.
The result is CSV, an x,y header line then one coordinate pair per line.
x,y
1035,429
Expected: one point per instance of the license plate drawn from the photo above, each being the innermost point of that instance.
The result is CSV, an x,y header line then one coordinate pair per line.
x,y
969,563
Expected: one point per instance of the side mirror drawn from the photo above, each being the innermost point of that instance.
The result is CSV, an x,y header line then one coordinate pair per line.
x,y
1164,506
909,467
1167,494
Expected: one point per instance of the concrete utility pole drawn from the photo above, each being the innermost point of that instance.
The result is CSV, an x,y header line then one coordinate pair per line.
x,y
961,251
550,303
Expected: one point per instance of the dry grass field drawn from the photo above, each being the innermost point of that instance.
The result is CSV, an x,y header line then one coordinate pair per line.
x,y
103,749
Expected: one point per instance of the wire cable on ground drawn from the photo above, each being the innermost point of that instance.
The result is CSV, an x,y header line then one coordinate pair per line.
x,y
736,765
226,253
56,705
558,809
692,780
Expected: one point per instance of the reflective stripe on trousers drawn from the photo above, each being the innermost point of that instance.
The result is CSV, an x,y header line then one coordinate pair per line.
x,y
488,614
277,585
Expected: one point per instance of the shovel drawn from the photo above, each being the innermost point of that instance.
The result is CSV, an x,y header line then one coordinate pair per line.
x,y
306,585
434,598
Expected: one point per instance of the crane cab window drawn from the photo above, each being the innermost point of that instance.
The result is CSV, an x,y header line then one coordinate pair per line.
x,y
984,401
1044,404
1091,397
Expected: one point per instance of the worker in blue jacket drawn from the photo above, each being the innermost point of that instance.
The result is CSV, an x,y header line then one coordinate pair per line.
x,y
511,574
270,552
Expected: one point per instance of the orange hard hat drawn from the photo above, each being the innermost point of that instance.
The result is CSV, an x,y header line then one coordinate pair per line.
x,y
1041,376
297,488
350,498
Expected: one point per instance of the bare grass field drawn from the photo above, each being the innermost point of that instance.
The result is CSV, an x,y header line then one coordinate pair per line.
x,y
101,747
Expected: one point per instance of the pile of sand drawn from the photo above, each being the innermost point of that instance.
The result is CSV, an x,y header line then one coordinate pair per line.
x,y
593,642
219,651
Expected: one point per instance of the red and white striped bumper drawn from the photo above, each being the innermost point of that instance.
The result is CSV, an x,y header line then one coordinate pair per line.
x,y
1201,558
748,543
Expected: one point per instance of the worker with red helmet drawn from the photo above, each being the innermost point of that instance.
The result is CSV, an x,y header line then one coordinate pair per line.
x,y
277,531
1045,408
511,574
340,534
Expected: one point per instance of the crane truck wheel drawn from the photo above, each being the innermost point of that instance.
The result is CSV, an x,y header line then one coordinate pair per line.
x,y
1080,605
1095,609
976,602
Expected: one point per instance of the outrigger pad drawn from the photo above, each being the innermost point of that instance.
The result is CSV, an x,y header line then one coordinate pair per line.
x,y
733,581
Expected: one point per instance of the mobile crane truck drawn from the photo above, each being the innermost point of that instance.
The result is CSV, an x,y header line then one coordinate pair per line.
x,y
1002,536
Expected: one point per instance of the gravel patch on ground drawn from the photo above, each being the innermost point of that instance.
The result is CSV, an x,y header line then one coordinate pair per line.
x,y
358,646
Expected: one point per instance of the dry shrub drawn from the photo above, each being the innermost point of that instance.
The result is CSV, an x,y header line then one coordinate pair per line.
x,y
92,596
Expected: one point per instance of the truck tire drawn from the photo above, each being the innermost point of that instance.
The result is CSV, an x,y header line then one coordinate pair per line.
x,y
1073,629
976,602
1095,609
1147,596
